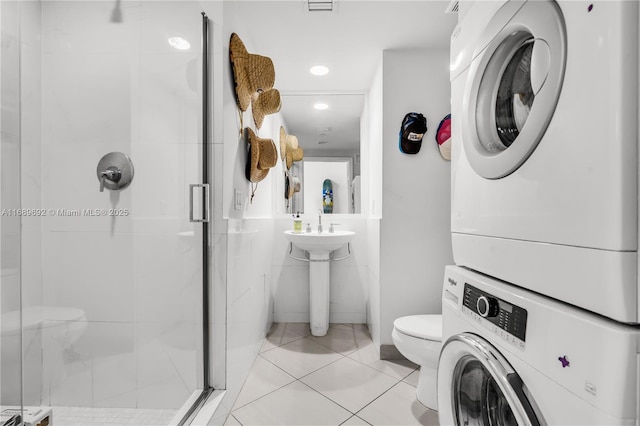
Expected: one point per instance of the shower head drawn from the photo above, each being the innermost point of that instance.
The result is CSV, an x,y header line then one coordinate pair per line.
x,y
116,13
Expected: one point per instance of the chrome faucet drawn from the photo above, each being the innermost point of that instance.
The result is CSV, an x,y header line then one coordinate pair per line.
x,y
112,174
319,221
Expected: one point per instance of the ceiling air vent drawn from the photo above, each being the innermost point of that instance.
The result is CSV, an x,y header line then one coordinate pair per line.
x,y
453,7
320,5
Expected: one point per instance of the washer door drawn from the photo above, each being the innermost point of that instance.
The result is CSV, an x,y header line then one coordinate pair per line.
x,y
513,87
477,386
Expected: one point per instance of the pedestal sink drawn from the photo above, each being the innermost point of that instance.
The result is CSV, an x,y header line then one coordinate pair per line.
x,y
318,247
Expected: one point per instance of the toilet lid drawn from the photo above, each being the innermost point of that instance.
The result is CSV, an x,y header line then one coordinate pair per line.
x,y
33,317
428,327
62,313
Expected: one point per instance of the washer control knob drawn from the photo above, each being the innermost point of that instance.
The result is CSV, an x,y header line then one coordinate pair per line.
x,y
487,306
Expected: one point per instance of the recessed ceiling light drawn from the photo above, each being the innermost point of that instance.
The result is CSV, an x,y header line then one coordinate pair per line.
x,y
179,43
321,106
319,70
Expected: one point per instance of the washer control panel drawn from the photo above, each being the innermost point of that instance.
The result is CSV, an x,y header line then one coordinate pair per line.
x,y
506,320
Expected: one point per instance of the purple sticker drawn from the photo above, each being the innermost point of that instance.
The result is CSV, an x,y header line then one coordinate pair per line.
x,y
590,8
565,362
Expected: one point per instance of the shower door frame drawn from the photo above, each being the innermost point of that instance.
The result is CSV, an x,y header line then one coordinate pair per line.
x,y
207,389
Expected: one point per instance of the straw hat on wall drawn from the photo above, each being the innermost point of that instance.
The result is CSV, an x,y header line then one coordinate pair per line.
x,y
251,73
293,186
289,149
293,154
263,155
265,103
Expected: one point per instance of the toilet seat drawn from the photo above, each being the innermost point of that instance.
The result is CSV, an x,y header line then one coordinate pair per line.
x,y
419,339
426,327
58,313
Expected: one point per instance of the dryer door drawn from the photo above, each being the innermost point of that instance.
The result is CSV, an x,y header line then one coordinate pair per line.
x,y
513,87
477,386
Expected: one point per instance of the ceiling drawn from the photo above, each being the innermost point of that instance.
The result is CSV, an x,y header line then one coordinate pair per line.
x,y
349,40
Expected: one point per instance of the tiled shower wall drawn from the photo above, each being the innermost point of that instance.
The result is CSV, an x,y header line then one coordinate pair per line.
x,y
117,86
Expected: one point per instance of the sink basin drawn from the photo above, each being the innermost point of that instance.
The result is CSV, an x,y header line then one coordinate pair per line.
x,y
323,243
318,247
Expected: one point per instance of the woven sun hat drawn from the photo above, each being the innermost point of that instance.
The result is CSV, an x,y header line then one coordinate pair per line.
x,y
289,148
251,73
296,185
283,142
293,186
265,103
293,154
443,137
262,156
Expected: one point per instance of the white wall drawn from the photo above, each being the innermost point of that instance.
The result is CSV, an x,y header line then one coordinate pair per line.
x,y
245,232
415,242
371,130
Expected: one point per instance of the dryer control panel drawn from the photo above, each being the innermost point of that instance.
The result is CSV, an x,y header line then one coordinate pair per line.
x,y
506,320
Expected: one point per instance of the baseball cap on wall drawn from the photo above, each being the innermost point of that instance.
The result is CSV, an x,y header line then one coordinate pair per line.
x,y
443,137
414,126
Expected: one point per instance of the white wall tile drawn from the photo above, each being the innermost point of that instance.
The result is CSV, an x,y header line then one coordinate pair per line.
x,y
90,271
114,365
63,24
67,366
168,278
159,384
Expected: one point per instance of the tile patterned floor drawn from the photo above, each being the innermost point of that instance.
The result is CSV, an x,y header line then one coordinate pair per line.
x,y
337,379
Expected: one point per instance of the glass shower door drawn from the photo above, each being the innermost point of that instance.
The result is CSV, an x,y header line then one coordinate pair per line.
x,y
119,294
10,248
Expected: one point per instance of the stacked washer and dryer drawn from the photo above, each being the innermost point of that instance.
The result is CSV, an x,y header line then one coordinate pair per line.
x,y
541,313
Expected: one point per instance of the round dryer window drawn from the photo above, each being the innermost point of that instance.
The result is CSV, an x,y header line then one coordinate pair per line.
x,y
513,87
478,386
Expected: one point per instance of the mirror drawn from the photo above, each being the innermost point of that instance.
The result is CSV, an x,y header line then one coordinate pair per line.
x,y
330,138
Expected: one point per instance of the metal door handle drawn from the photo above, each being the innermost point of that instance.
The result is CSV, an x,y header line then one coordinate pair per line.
x,y
205,206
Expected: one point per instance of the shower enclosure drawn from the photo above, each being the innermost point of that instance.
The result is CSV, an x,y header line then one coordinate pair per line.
x,y
103,294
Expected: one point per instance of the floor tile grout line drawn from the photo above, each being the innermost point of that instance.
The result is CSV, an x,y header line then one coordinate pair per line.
x,y
376,398
355,341
268,393
397,380
331,400
281,345
355,415
370,402
287,384
296,380
236,419
380,371
320,368
233,409
310,340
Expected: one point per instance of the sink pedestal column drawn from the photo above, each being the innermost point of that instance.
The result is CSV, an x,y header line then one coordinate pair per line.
x,y
319,284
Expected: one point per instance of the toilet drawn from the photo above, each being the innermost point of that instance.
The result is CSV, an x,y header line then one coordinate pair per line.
x,y
53,329
419,339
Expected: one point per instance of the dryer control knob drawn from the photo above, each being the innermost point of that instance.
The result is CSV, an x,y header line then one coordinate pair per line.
x,y
487,306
